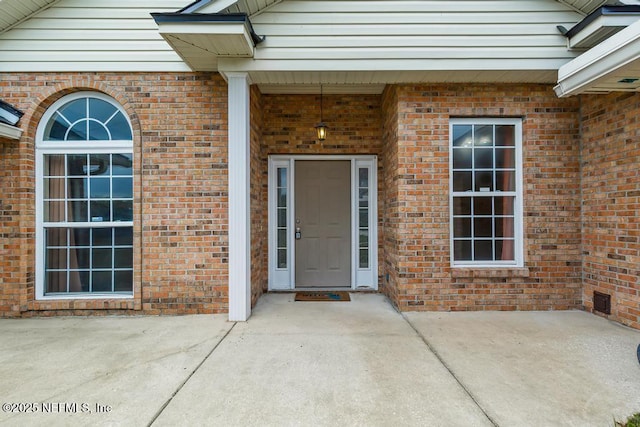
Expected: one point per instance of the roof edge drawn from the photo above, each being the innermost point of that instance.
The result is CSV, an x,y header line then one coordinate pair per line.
x,y
602,11
192,18
9,114
181,17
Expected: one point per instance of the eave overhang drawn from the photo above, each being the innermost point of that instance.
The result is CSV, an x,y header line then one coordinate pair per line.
x,y
613,65
201,38
9,118
600,25
10,132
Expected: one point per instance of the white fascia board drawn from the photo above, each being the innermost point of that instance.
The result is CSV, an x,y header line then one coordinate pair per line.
x,y
10,132
613,53
203,28
581,40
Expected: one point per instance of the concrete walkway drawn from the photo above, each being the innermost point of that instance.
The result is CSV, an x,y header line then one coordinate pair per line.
x,y
338,363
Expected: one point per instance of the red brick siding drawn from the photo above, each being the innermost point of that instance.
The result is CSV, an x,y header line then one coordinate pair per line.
x,y
259,189
353,121
611,202
425,280
391,213
180,149
14,271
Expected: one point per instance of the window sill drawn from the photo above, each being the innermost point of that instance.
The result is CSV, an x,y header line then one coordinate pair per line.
x,y
63,304
457,272
84,297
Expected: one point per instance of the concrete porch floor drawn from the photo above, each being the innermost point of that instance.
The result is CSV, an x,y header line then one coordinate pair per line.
x,y
338,363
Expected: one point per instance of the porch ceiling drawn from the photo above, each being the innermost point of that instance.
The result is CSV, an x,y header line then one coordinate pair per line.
x,y
373,82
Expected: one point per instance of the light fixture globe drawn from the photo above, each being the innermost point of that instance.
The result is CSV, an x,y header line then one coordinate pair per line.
x,y
321,129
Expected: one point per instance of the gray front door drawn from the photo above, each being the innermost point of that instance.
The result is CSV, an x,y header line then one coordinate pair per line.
x,y
323,215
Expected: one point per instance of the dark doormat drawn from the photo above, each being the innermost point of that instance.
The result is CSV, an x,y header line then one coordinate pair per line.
x,y
322,296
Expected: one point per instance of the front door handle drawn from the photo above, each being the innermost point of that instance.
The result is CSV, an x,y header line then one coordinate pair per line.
x,y
298,233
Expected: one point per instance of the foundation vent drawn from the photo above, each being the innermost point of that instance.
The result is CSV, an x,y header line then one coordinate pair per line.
x,y
602,302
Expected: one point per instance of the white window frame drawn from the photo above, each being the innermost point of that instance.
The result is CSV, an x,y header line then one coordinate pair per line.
x,y
361,278
75,147
518,203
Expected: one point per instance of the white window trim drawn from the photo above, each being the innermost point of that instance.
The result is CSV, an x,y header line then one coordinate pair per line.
x,y
361,278
62,147
518,208
279,278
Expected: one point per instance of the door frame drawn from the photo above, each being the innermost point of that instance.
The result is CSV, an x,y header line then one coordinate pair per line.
x,y
361,278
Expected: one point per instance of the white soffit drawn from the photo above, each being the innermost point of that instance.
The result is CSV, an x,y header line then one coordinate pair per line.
x,y
613,65
11,132
13,12
249,7
585,6
220,40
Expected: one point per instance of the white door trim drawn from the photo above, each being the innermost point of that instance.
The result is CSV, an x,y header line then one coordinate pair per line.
x,y
361,278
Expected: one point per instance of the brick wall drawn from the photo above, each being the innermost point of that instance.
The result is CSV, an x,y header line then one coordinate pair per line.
x,y
180,206
180,149
14,271
353,121
611,202
259,211
419,186
391,213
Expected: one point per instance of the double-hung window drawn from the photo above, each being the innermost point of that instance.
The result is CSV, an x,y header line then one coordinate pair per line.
x,y
84,190
486,192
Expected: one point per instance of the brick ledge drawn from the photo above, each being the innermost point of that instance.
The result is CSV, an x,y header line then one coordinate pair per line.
x,y
489,272
83,304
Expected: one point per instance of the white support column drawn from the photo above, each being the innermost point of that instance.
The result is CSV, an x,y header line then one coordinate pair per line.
x,y
239,197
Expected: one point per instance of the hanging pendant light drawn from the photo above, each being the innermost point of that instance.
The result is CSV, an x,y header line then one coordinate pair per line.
x,y
321,128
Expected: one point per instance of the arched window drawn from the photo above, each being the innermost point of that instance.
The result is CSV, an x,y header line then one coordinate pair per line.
x,y
88,118
84,191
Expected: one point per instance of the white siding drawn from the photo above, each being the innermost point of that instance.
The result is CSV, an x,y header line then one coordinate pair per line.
x,y
302,35
306,36
91,35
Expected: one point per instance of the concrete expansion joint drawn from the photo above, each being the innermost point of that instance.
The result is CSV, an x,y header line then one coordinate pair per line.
x,y
191,374
449,369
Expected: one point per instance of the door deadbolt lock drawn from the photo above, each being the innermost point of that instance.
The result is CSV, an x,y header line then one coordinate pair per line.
x,y
298,233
